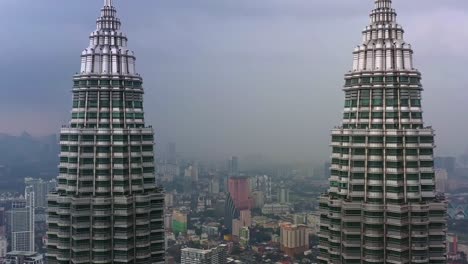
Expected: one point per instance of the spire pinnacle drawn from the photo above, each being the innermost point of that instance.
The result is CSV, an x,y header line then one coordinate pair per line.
x,y
107,2
383,12
383,3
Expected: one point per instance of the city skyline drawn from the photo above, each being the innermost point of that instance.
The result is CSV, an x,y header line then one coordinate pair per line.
x,y
289,82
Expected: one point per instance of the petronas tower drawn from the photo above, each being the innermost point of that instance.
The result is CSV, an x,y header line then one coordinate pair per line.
x,y
381,206
107,208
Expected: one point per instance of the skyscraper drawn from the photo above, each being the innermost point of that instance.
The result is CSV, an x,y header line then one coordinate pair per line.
x,y
233,166
107,207
283,194
40,188
20,220
381,206
240,192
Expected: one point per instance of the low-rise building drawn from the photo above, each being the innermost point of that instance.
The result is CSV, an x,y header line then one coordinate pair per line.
x,y
276,209
23,257
294,239
217,255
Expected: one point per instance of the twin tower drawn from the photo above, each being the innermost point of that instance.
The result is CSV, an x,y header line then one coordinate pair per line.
x,y
381,206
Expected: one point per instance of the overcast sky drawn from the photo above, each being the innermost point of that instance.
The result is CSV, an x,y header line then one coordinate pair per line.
x,y
231,77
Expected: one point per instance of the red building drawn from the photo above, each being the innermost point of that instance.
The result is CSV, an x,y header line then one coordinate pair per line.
x,y
239,189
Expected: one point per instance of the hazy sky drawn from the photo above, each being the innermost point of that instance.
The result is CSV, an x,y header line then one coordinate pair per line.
x,y
231,77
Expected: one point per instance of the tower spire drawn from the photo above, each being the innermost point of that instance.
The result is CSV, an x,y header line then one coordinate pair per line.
x,y
383,3
107,2
383,12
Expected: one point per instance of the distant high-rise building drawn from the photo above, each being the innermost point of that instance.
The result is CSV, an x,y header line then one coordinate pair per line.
x,y
261,183
230,212
446,163
233,166
3,247
216,255
258,198
20,220
22,257
294,239
41,189
240,192
107,207
2,221
171,153
214,185
191,172
441,180
169,200
283,194
381,206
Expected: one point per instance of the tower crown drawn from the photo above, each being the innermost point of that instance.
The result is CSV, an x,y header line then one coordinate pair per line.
x,y
383,12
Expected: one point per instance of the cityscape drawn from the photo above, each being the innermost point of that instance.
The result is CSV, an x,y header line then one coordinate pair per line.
x,y
104,190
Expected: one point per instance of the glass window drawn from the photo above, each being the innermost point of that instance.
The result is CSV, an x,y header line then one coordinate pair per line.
x,y
359,151
427,139
135,138
391,102
359,139
102,161
365,80
117,103
378,79
87,149
374,139
92,115
138,104
412,140
377,102
92,103
415,102
103,137
87,161
375,164
375,152
426,151
147,137
364,102
404,102
427,164
147,148
117,115
120,137
391,139
104,103
391,79
414,80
